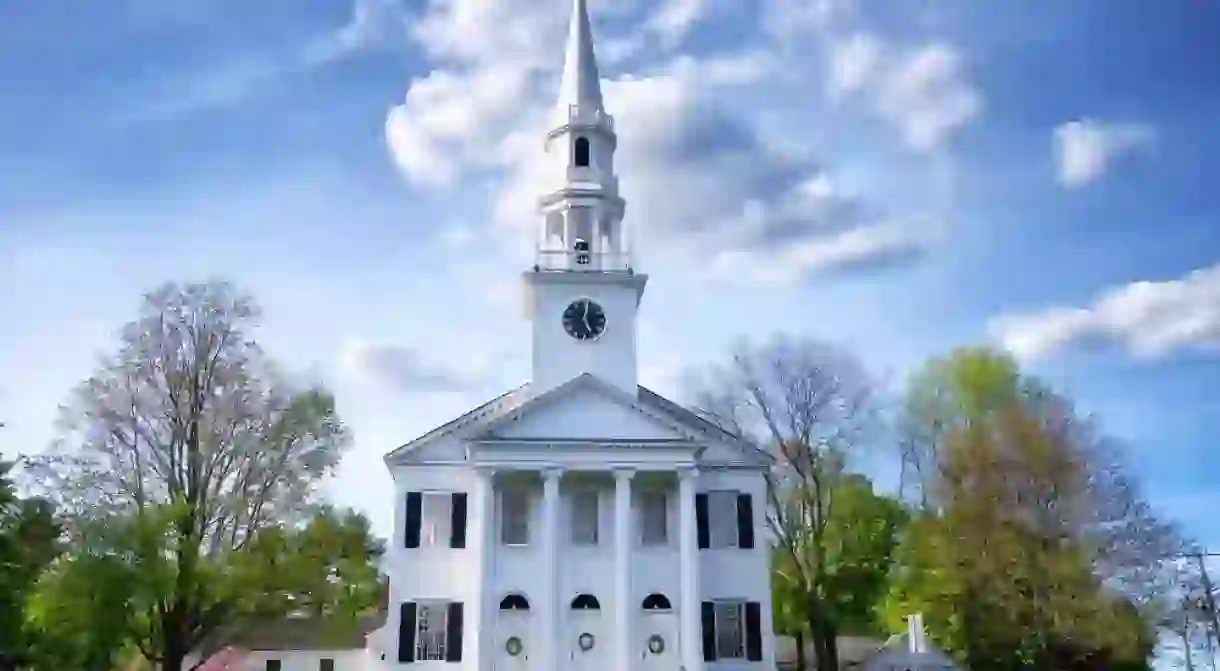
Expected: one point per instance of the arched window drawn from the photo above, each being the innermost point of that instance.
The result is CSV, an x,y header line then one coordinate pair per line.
x,y
586,602
514,602
656,601
581,151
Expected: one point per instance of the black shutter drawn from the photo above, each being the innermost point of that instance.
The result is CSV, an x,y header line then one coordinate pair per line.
x,y
705,536
415,515
457,530
753,631
709,632
745,521
406,633
453,633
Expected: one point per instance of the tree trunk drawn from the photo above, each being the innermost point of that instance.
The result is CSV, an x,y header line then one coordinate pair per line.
x,y
801,662
173,640
823,633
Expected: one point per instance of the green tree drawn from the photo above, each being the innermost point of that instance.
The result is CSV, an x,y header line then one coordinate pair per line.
x,y
29,540
191,434
1030,525
860,542
335,562
80,614
809,406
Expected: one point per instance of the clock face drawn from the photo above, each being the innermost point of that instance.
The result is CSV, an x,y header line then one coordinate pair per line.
x,y
584,319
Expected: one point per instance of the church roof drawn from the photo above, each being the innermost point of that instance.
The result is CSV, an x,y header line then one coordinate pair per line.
x,y
581,83
514,401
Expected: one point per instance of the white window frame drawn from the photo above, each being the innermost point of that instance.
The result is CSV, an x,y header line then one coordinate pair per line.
x,y
526,503
435,532
659,505
430,642
722,518
724,643
583,530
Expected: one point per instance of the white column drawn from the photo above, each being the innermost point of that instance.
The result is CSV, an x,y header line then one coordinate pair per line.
x,y
625,607
484,542
550,568
689,612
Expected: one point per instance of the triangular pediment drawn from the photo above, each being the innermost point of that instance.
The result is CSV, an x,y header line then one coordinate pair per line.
x,y
586,408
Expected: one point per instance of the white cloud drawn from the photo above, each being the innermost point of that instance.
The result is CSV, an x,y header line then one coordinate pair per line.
x,y
1086,149
853,62
922,93
409,370
1148,319
372,22
673,19
927,97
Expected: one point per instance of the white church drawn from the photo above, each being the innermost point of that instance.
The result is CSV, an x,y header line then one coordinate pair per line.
x,y
580,521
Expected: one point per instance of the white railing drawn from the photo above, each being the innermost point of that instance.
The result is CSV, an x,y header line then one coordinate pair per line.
x,y
574,261
592,117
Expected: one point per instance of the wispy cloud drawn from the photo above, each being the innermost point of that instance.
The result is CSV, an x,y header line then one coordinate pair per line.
x,y
1149,319
1086,149
372,24
408,370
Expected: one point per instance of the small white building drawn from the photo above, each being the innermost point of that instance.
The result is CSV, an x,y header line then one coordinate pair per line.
x,y
580,521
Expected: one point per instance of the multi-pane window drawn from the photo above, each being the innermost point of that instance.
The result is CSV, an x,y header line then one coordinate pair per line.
x,y
437,519
584,518
722,518
730,629
514,517
430,631
654,523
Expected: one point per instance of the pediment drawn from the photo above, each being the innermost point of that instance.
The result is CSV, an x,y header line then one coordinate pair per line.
x,y
583,409
586,409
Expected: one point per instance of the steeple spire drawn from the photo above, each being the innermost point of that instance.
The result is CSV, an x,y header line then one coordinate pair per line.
x,y
581,85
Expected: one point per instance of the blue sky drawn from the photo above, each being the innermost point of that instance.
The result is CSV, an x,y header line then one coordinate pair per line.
x,y
901,176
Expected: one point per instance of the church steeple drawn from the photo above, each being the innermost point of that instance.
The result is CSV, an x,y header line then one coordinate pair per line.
x,y
581,85
582,213
584,292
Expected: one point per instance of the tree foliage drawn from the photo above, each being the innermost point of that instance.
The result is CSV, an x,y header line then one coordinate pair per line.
x,y
29,541
1035,549
190,434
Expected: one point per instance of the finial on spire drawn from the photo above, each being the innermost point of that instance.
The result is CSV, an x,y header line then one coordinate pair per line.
x,y
581,84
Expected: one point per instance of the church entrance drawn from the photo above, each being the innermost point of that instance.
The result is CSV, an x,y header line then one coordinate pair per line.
x,y
514,635
658,634
587,646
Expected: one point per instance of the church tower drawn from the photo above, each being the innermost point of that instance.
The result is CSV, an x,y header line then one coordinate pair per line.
x,y
584,291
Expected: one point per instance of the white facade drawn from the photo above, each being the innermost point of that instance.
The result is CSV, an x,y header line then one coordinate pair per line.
x,y
579,521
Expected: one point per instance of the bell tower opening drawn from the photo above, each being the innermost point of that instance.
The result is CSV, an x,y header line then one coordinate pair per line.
x,y
581,152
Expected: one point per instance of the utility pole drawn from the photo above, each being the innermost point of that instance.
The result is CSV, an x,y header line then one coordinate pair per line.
x,y
1209,603
1190,662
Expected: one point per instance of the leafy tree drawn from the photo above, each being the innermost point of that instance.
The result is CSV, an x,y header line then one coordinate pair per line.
x,y
809,406
861,539
191,434
336,558
80,614
29,540
1034,548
